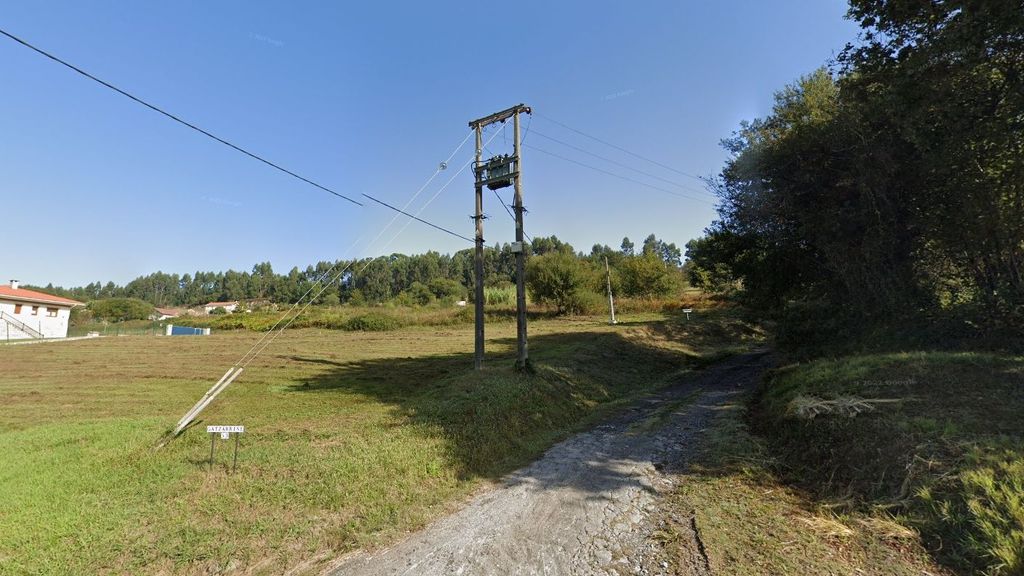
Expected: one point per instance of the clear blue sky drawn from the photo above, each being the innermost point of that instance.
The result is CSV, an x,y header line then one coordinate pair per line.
x,y
365,97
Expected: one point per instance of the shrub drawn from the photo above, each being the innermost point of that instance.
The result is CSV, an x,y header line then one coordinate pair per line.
x,y
648,276
121,309
218,311
417,294
447,290
372,322
558,278
585,301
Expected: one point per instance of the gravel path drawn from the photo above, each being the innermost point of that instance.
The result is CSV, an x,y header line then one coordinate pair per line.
x,y
586,506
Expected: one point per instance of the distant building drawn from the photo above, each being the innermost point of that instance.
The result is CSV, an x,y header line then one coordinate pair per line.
x,y
229,306
165,313
30,314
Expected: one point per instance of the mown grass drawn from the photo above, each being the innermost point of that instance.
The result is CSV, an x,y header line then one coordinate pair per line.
x,y
936,439
352,437
751,523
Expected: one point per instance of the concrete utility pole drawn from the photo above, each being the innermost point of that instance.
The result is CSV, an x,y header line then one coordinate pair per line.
x,y
500,172
611,299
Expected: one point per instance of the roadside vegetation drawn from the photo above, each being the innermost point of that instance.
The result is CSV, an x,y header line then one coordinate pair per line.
x,y
875,219
934,439
352,438
572,281
750,521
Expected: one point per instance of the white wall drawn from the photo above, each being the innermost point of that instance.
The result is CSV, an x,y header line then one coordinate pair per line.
x,y
51,327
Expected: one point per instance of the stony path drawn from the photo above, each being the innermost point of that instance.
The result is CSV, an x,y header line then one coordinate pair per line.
x,y
585,507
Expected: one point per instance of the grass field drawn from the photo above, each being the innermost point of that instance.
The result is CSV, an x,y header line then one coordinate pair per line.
x,y
352,437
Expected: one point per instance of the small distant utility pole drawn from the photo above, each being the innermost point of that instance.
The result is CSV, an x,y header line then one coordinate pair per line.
x,y
500,172
611,300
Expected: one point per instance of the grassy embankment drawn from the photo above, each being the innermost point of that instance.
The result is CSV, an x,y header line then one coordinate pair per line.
x,y
869,462
352,437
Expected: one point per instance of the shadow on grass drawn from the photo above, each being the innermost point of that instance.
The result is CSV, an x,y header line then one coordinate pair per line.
x,y
496,420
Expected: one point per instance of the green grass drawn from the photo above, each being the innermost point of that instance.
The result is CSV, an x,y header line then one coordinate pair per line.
x,y
750,523
353,438
937,441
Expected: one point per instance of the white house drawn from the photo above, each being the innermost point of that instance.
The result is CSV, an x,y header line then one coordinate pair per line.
x,y
228,306
30,314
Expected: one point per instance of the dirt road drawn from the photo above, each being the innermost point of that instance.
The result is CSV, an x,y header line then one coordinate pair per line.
x,y
587,506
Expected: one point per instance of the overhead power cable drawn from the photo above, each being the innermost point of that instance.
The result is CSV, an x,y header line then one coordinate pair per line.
x,y
617,163
245,360
324,286
510,214
295,310
619,148
418,219
620,176
176,118
223,141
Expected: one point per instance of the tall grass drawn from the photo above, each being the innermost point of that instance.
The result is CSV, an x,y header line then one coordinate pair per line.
x,y
942,446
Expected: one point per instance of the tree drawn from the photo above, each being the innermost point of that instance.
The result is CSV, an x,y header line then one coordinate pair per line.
x,y
120,309
447,290
647,276
561,279
418,294
627,247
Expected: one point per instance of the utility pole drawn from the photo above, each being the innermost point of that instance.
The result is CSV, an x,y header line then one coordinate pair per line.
x,y
499,172
478,259
522,357
611,300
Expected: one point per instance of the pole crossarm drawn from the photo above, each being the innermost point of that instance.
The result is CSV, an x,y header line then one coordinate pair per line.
x,y
500,116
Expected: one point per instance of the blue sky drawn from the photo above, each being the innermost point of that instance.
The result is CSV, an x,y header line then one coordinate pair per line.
x,y
366,97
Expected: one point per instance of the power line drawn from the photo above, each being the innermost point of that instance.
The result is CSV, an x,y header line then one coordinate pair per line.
x,y
223,141
380,233
340,273
175,118
617,163
418,219
620,148
620,176
509,211
272,334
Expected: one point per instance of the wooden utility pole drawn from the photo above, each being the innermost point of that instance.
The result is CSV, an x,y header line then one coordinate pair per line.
x,y
523,357
500,172
478,259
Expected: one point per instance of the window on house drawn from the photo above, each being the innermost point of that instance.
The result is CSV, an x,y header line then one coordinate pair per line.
x,y
17,308
35,310
51,312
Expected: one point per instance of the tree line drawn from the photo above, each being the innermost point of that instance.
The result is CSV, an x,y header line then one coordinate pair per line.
x,y
888,188
653,269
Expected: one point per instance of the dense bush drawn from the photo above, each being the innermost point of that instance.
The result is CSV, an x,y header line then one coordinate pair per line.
x,y
417,294
372,322
648,276
120,309
447,290
560,279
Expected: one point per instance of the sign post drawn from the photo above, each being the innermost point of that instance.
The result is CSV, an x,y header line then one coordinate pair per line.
x,y
225,433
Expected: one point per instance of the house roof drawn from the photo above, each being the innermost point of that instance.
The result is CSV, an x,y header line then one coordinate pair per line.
x,y
170,311
221,304
21,294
